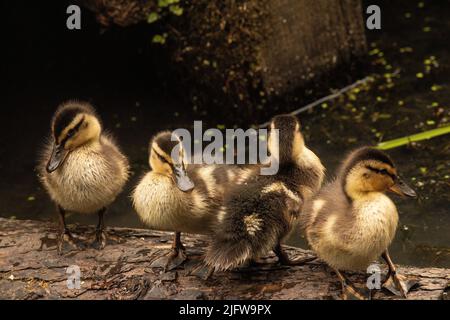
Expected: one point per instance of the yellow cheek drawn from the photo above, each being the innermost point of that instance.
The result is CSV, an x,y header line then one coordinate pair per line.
x,y
389,183
68,145
153,162
71,144
76,141
166,170
368,185
298,145
160,167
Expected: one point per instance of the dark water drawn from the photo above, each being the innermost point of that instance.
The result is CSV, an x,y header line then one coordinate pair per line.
x,y
123,77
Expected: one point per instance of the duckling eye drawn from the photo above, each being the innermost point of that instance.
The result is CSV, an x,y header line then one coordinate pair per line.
x,y
379,171
70,133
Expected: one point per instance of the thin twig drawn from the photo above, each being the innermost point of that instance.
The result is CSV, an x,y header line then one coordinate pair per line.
x,y
324,99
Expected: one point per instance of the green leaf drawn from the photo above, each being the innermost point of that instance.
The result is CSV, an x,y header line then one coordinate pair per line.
x,y
415,137
163,3
176,10
152,17
157,38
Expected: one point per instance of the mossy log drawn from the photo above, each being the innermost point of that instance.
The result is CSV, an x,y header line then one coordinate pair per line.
x,y
130,267
243,52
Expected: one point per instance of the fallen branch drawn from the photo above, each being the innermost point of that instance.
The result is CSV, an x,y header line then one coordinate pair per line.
x,y
132,269
326,98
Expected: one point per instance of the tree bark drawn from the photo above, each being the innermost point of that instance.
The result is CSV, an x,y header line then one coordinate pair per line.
x,y
309,38
119,12
271,45
130,267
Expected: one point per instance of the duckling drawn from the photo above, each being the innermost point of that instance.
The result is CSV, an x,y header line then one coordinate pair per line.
x,y
351,222
175,196
81,167
260,212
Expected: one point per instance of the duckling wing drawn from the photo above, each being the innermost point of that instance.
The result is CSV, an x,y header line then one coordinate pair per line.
x,y
115,156
217,180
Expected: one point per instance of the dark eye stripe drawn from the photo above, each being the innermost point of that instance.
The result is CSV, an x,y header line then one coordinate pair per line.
x,y
78,125
71,131
162,158
383,171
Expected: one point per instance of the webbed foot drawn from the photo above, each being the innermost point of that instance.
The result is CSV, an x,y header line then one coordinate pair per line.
x,y
349,292
396,283
175,259
296,262
100,240
399,285
284,259
66,237
178,254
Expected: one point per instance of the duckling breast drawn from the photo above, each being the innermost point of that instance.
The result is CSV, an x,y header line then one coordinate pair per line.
x,y
352,238
157,202
162,206
87,181
376,224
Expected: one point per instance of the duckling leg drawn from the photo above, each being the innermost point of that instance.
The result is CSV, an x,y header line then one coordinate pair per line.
x,y
284,259
64,233
178,254
348,291
100,234
396,283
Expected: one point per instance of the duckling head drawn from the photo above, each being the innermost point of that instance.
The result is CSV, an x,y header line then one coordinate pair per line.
x,y
285,141
74,124
369,170
167,158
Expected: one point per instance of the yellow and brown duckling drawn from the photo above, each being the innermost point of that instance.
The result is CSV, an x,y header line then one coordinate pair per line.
x,y
178,197
351,222
81,167
260,212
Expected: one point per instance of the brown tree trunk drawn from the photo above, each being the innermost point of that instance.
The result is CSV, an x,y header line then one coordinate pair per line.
x,y
309,38
270,45
130,267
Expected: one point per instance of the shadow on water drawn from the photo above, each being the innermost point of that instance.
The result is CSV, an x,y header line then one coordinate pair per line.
x,y
127,79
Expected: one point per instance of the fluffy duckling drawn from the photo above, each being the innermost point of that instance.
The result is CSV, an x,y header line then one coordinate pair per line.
x,y
351,222
260,212
166,199
81,167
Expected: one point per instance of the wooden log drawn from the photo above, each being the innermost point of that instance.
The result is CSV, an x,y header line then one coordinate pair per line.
x,y
130,267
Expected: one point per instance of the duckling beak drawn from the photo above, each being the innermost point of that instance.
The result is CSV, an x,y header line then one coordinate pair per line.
x,y
57,158
402,189
184,183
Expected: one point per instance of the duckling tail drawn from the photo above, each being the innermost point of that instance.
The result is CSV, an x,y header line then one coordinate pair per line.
x,y
224,255
240,237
